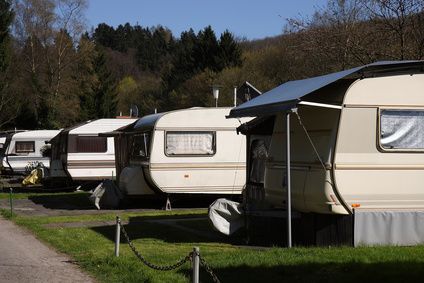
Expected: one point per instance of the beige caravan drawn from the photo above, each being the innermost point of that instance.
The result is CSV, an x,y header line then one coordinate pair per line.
x,y
355,169
187,151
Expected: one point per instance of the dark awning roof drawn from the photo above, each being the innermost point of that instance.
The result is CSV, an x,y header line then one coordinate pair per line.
x,y
289,94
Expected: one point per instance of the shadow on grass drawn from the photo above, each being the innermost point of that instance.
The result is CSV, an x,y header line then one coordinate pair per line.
x,y
71,201
405,271
171,229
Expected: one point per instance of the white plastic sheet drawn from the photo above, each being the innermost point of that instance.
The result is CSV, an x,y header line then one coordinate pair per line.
x,y
226,216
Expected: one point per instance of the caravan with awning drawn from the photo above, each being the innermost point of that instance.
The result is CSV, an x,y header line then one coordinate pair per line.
x,y
345,152
188,151
79,154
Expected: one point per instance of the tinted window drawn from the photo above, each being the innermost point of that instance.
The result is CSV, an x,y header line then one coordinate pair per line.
x,y
24,146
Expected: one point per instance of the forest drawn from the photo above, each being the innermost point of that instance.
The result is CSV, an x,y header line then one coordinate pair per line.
x,y
55,71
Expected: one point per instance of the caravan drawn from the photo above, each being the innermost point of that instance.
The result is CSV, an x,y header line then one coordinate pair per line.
x,y
80,154
345,151
189,151
23,150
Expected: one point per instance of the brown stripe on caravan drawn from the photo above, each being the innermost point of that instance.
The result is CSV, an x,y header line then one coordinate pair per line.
x,y
198,166
87,164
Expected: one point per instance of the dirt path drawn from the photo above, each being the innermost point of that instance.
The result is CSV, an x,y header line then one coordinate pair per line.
x,y
25,259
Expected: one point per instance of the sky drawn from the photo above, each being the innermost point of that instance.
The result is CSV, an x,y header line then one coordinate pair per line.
x,y
250,19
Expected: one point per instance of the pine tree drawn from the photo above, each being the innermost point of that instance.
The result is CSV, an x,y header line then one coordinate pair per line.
x,y
7,111
105,91
229,54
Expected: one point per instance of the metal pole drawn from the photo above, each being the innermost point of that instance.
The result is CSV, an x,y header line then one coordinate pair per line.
x,y
196,262
117,235
289,226
235,96
11,201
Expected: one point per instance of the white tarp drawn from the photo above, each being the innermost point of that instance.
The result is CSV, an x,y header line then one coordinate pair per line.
x,y
189,143
226,216
402,129
106,195
399,228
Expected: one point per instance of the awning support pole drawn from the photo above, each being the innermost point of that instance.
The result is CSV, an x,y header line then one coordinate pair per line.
x,y
288,174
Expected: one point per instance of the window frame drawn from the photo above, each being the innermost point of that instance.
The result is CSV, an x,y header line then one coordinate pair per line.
x,y
383,149
24,142
148,147
191,132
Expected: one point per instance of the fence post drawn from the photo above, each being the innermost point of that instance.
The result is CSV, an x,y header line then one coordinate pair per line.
x,y
196,262
11,201
117,235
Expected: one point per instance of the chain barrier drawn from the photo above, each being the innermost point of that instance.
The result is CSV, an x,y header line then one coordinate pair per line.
x,y
178,264
209,270
151,265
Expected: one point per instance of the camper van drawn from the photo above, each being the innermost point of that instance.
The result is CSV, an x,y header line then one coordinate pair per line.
x,y
189,151
80,154
23,150
344,151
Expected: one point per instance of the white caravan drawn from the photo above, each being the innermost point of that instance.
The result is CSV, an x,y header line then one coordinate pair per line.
x,y
25,149
80,154
189,151
356,163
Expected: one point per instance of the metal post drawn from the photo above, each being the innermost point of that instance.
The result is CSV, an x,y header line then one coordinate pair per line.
x,y
117,235
11,201
196,262
289,226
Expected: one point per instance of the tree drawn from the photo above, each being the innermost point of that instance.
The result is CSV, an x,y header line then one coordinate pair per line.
x,y
8,107
105,88
229,53
47,32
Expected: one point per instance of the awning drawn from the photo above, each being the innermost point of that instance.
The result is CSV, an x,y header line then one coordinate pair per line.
x,y
289,94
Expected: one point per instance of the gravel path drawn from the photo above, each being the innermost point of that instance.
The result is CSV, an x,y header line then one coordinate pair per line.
x,y
23,258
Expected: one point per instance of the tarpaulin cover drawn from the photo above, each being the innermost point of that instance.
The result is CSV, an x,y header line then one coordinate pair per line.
x,y
402,129
106,195
34,177
377,228
226,216
289,94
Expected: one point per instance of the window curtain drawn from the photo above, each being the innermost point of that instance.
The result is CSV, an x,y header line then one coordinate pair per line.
x,y
189,143
401,129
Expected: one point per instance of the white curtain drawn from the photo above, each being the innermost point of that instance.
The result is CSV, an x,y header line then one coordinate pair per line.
x,y
189,143
402,129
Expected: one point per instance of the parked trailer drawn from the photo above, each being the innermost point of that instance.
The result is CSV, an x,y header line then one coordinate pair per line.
x,y
189,151
80,154
24,149
356,171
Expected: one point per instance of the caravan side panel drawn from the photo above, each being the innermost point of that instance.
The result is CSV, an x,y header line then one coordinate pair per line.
x,y
220,173
367,175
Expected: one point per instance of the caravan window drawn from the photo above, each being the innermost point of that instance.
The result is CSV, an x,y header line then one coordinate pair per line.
x,y
91,144
24,146
402,129
190,143
141,145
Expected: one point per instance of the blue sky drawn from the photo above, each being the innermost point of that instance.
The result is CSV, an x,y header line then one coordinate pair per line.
x,y
252,19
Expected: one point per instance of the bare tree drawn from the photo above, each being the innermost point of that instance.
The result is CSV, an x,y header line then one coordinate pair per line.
x,y
48,31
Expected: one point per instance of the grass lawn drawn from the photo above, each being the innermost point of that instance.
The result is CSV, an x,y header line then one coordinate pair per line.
x,y
93,247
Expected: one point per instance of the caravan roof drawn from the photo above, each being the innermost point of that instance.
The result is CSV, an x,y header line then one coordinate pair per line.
x,y
198,117
101,126
39,134
291,93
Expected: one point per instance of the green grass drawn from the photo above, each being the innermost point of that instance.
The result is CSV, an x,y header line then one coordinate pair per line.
x,y
93,248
